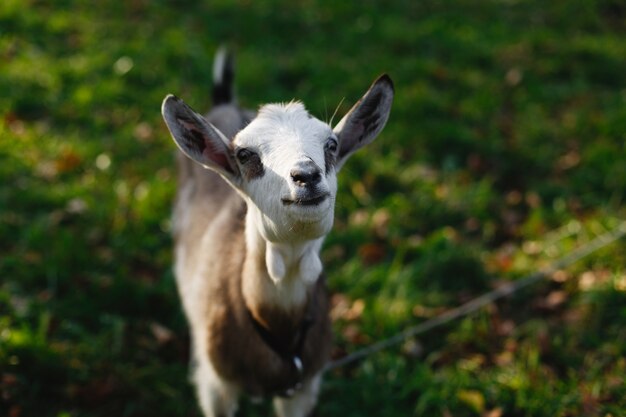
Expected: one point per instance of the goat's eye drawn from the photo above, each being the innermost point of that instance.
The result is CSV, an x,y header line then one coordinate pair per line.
x,y
331,145
244,155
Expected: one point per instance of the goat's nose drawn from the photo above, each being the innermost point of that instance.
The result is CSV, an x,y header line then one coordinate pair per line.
x,y
306,174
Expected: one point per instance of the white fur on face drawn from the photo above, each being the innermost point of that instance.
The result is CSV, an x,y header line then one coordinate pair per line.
x,y
284,136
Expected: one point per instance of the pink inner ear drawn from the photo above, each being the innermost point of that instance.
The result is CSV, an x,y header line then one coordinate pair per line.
x,y
211,153
209,150
219,158
184,123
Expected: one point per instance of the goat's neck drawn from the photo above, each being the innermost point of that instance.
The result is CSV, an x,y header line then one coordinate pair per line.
x,y
278,274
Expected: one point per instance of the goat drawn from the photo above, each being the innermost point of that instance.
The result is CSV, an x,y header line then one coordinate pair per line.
x,y
248,233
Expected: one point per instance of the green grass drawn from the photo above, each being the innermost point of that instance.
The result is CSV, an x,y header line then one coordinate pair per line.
x,y
506,148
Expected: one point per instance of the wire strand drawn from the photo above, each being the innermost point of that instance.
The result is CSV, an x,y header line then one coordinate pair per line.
x,y
477,303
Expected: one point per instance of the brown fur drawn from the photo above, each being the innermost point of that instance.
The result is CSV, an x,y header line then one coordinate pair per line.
x,y
251,283
239,354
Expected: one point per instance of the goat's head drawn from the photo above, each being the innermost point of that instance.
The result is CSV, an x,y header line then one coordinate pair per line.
x,y
284,163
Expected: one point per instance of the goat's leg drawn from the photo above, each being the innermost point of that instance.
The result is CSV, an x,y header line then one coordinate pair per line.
x,y
302,402
217,397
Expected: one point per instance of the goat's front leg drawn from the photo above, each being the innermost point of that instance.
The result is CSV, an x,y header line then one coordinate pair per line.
x,y
217,397
302,402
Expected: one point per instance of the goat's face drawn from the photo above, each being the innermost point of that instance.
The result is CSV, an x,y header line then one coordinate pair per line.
x,y
285,161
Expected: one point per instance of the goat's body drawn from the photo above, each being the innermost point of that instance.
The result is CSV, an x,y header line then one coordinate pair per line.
x,y
248,232
228,351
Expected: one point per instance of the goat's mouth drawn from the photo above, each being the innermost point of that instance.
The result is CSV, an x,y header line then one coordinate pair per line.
x,y
314,201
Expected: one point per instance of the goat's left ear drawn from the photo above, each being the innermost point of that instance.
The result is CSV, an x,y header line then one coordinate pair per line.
x,y
199,139
365,120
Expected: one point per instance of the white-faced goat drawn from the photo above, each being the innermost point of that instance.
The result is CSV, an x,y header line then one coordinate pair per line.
x,y
248,233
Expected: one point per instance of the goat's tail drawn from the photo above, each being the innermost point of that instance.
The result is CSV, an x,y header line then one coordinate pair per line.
x,y
223,77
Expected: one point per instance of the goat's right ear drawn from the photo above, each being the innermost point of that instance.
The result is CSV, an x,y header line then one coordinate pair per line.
x,y
365,120
199,139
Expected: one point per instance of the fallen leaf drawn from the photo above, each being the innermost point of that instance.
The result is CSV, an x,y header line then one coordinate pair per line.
x,y
556,298
343,309
425,312
505,327
339,305
76,206
590,279
504,358
413,348
560,276
143,132
380,222
568,161
67,161
46,170
372,253
473,398
513,198
15,411
496,412
161,333
514,76
533,199
358,218
355,311
354,335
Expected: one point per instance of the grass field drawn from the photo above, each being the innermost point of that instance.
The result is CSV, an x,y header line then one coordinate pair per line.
x,y
506,149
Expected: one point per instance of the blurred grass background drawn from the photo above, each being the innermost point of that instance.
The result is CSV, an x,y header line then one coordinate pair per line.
x,y
506,148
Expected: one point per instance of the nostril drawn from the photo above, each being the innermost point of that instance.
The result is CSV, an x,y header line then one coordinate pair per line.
x,y
303,177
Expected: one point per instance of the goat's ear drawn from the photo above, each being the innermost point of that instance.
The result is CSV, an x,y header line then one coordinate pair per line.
x,y
199,139
365,120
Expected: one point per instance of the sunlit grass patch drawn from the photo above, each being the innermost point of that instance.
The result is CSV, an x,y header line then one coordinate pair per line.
x,y
504,152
